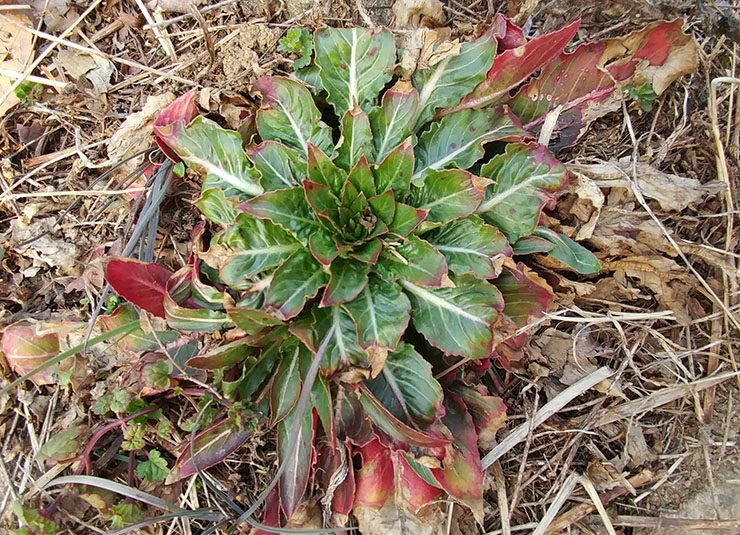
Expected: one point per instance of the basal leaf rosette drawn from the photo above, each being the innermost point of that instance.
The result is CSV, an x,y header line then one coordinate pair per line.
x,y
396,242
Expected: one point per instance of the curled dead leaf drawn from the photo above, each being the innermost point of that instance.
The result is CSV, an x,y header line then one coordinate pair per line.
x,y
672,192
417,13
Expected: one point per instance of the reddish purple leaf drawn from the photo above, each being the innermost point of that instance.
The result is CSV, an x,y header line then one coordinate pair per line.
x,y
514,66
270,513
579,81
461,474
140,283
25,350
212,446
507,34
374,480
181,109
414,492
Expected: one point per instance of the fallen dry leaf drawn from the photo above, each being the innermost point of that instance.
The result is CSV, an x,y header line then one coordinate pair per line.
x,y
83,66
57,14
173,6
672,192
16,50
669,282
393,519
135,133
47,250
417,13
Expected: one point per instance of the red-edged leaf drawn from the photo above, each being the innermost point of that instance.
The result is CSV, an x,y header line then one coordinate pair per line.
x,y
461,474
181,109
526,295
525,178
212,446
514,66
24,350
374,480
488,412
393,427
140,283
221,356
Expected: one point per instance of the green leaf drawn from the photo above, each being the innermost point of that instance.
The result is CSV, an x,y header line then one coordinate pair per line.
x,y
395,171
251,320
406,219
368,252
156,375
457,320
414,260
524,177
526,295
32,522
355,65
62,445
286,386
217,152
348,278
569,252
228,354
297,41
299,278
289,115
216,207
381,312
457,140
133,436
280,166
407,388
125,514
325,205
532,244
254,245
644,95
447,82
322,170
356,139
342,350
470,246
384,206
179,291
285,207
362,178
120,402
155,469
256,372
137,340
393,120
323,247
447,195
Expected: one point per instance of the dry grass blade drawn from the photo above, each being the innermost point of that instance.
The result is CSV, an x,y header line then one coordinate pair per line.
x,y
560,498
550,408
